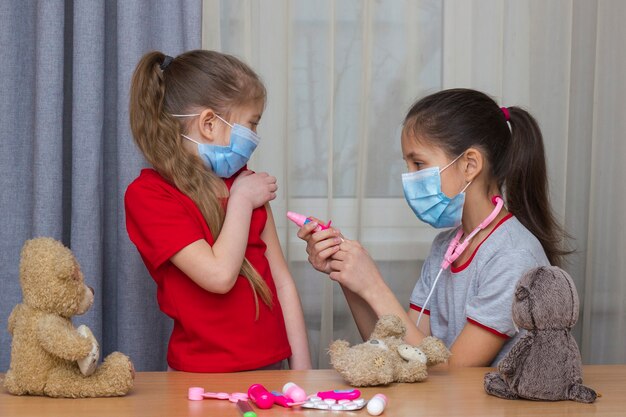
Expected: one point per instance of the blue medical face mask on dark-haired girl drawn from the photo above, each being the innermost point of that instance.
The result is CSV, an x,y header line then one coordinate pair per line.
x,y
225,161
422,190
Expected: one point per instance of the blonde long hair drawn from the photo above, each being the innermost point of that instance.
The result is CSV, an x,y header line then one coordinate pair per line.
x,y
193,79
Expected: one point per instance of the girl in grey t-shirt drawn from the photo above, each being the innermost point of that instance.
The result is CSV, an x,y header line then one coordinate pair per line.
x,y
461,150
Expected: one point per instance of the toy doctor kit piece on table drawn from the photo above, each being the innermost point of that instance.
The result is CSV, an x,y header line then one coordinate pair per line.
x,y
333,400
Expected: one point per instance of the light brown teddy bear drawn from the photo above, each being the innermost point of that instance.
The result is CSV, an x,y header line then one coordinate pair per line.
x,y
48,355
385,357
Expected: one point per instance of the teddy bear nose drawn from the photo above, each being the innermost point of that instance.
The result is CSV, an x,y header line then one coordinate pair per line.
x,y
92,291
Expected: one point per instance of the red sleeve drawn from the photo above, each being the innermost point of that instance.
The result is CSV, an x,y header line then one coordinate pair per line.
x,y
160,222
419,309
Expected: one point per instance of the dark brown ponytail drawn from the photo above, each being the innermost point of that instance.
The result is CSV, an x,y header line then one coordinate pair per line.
x,y
526,185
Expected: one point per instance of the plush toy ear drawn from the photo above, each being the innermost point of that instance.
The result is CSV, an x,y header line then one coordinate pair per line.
x,y
338,347
47,254
388,326
435,350
521,293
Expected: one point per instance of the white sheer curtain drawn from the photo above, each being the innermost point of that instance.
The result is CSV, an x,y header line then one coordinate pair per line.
x,y
342,74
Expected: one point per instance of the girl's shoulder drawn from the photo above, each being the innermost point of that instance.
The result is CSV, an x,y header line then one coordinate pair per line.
x,y
149,180
513,234
514,240
152,189
509,239
147,176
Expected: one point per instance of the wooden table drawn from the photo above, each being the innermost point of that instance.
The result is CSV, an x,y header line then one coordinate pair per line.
x,y
457,392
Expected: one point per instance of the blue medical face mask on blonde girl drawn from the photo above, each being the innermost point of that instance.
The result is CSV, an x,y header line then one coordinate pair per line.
x,y
422,190
225,161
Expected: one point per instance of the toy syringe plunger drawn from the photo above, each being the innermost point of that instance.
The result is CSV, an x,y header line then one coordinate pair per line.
x,y
301,220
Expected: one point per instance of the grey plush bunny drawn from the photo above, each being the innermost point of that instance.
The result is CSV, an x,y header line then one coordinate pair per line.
x,y
545,363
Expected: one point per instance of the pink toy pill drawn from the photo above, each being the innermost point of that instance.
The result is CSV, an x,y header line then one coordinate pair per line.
x,y
294,392
195,393
377,405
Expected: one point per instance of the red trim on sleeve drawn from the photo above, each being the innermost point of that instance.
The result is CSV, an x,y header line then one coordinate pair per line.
x,y
418,308
489,329
454,269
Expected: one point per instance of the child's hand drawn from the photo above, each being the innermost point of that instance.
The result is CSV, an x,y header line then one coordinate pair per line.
x,y
353,267
320,245
256,188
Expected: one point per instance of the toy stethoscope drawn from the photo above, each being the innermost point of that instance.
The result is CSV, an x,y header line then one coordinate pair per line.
x,y
455,249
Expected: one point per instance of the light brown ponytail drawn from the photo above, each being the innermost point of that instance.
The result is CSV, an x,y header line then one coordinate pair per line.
x,y
193,79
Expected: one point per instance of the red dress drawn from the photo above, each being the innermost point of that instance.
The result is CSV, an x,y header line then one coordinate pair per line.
x,y
212,332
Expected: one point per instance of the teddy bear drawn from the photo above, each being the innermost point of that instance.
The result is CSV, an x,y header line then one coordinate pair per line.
x,y
545,363
385,357
49,356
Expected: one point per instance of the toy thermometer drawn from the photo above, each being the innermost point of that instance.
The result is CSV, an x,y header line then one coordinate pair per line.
x,y
347,394
301,220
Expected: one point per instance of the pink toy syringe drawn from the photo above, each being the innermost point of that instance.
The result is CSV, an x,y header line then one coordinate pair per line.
x,y
301,220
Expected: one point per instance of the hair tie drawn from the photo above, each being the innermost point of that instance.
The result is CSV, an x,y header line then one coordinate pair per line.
x,y
505,111
166,62
507,117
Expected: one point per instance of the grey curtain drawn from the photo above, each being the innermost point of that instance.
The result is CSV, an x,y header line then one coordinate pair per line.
x,y
67,152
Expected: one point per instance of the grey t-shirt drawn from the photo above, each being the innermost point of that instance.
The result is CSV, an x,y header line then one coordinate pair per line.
x,y
480,291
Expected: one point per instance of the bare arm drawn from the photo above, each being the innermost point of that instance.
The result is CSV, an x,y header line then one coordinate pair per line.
x,y
369,296
216,268
288,297
424,326
364,317
475,346
366,292
353,267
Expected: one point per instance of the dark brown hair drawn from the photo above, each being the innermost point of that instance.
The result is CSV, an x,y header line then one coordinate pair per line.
x,y
458,119
193,80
